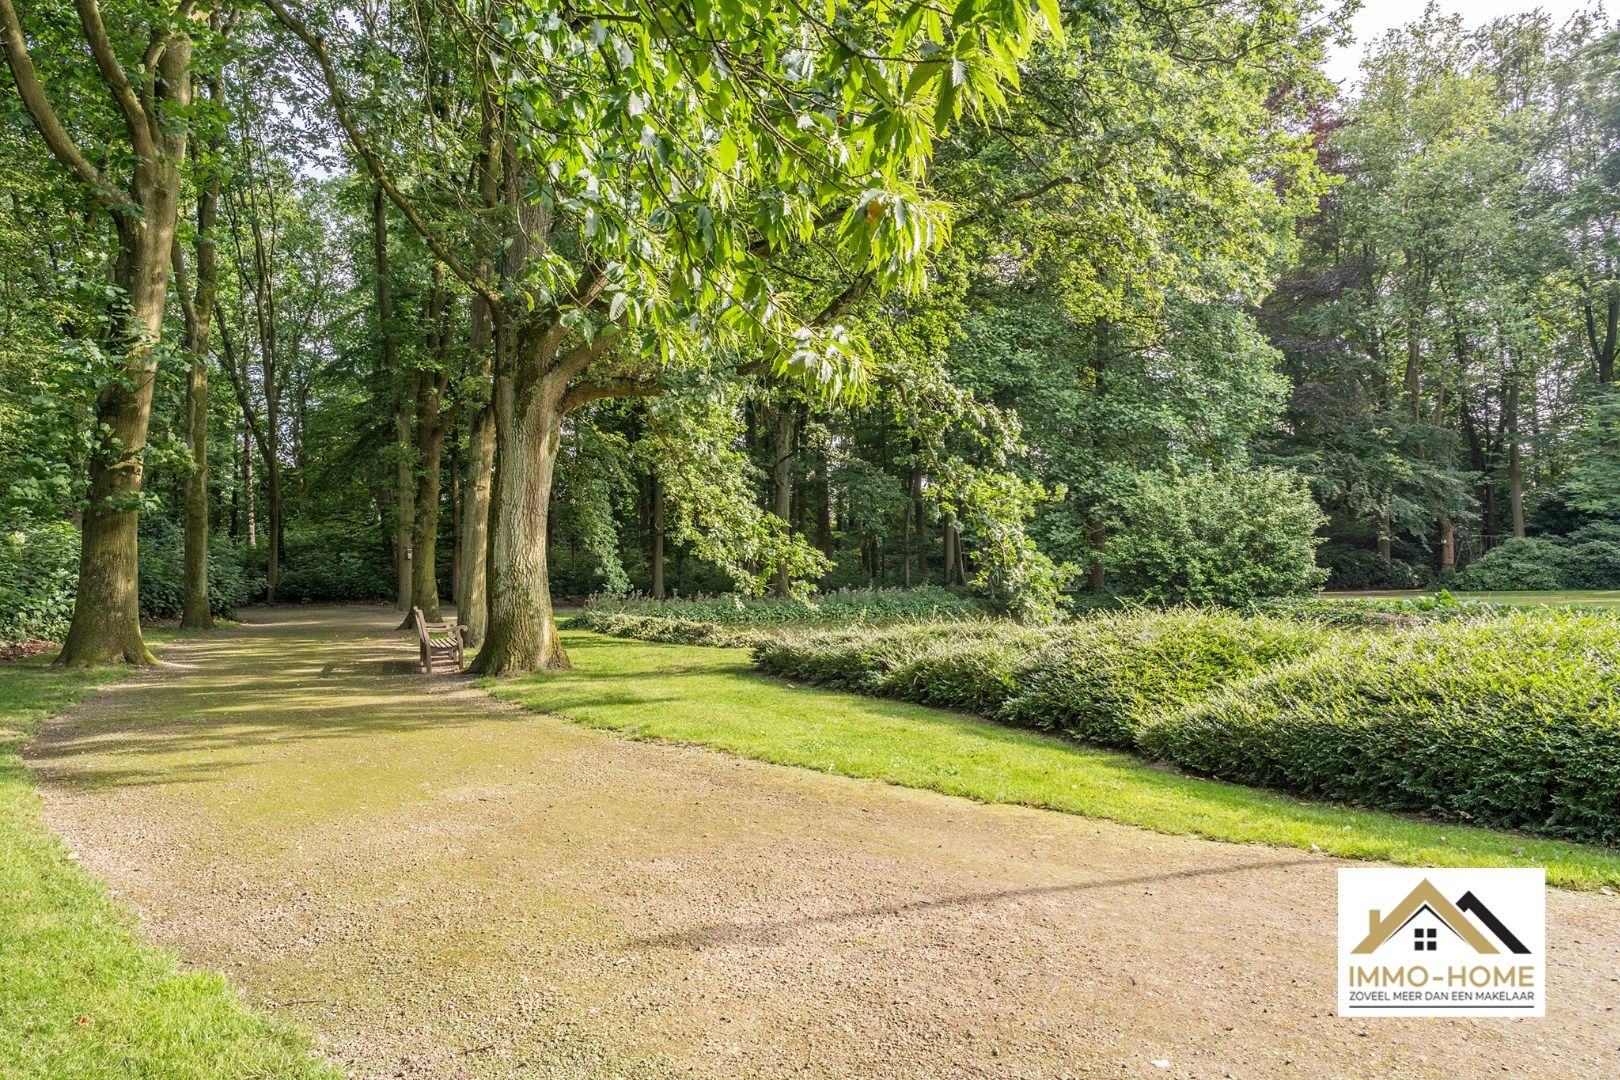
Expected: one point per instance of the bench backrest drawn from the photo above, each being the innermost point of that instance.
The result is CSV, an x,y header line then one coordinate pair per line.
x,y
421,624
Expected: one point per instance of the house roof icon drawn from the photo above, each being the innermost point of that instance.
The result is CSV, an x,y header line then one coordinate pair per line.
x,y
1427,897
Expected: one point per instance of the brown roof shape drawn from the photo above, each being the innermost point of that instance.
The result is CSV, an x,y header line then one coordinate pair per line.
x,y
1425,895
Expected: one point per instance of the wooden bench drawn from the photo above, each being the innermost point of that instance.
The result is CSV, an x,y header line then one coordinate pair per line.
x,y
438,641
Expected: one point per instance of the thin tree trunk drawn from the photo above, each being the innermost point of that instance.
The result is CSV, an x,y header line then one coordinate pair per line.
x,y
247,488
425,534
1515,466
196,612
1385,553
473,604
824,523
950,553
404,401
782,480
657,538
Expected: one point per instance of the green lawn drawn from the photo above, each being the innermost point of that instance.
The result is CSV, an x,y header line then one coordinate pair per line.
x,y
80,995
710,697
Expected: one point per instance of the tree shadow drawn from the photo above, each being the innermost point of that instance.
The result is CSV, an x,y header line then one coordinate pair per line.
x,y
778,931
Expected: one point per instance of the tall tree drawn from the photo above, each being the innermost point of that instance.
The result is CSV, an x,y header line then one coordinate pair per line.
x,y
144,66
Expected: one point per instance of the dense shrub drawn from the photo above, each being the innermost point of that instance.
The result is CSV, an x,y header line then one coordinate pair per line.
x,y
39,567
163,573
853,606
1528,563
1104,677
1592,565
1219,537
1361,568
1512,722
1097,679
311,575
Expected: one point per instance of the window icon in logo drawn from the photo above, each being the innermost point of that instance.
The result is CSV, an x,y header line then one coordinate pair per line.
x,y
1423,939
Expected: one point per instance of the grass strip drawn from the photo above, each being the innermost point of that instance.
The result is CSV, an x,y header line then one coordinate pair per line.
x,y
710,697
80,994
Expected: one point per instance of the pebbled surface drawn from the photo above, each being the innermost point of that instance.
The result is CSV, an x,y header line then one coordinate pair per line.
x,y
442,886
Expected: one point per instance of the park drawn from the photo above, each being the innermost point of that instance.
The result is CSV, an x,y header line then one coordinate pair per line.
x,y
754,539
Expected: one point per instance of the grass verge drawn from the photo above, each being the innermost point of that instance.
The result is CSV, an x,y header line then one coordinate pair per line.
x,y
80,995
710,697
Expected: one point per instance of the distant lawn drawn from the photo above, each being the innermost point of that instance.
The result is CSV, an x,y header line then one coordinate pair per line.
x,y
1594,599
80,995
710,697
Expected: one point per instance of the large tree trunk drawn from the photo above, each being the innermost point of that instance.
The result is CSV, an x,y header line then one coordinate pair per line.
x,y
106,626
474,601
521,635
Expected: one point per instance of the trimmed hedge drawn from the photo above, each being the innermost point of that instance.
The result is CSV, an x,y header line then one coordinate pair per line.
x,y
1099,679
1589,560
1104,679
843,606
669,630
1510,722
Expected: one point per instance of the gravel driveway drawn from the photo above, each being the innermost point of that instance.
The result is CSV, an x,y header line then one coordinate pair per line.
x,y
440,885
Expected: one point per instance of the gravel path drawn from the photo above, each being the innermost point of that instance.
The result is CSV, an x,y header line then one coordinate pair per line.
x,y
439,885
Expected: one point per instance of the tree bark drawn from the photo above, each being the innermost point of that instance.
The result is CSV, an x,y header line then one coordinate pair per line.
x,y
404,493
473,602
1515,465
782,479
196,612
657,530
521,634
106,626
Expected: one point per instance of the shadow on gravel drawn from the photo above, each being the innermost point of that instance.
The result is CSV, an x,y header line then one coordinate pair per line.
x,y
776,931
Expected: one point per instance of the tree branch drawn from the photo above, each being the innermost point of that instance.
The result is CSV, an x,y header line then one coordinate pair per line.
x,y
618,388
317,47
57,140
141,135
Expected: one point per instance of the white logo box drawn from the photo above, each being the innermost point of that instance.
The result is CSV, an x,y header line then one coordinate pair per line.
x,y
1442,942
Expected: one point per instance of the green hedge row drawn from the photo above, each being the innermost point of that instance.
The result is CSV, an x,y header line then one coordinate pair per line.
x,y
839,607
1100,679
671,630
1503,718
39,571
1511,722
